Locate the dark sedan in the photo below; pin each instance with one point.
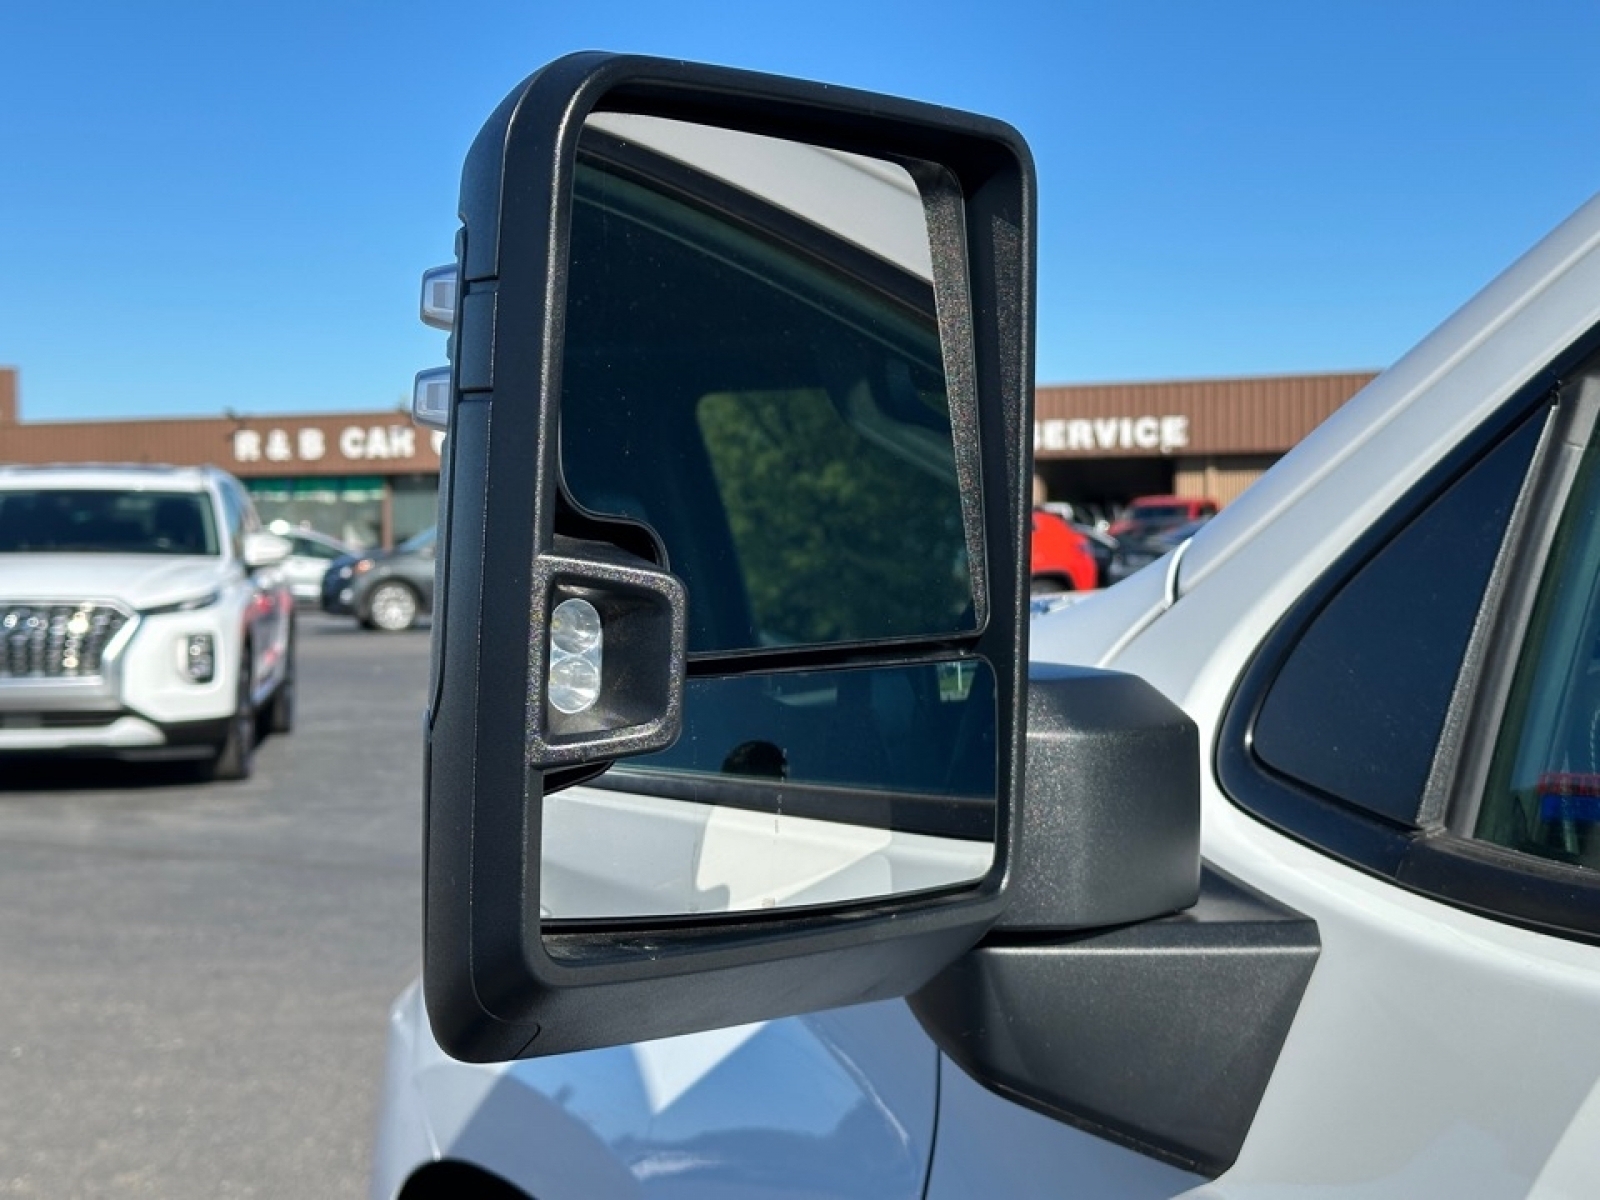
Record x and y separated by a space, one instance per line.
385 589
1135 551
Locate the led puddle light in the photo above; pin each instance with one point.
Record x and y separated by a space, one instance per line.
576 648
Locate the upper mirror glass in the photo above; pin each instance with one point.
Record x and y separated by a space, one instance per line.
753 389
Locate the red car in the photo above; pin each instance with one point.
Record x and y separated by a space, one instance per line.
1061 558
1147 514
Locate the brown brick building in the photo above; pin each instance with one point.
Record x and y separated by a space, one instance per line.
1099 444
368 477
373 476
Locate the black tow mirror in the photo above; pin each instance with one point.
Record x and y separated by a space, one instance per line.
727 705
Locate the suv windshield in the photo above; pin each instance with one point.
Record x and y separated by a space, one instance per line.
105 521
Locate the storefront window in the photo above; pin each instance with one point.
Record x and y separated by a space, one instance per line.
349 508
415 504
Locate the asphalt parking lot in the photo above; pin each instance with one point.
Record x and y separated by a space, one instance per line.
196 976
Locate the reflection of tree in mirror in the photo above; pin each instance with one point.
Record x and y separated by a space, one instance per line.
844 532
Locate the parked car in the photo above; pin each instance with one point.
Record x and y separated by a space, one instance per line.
1061 558
1380 667
310 555
1151 514
143 615
1100 544
384 589
1136 551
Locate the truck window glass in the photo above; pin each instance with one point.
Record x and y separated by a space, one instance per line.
1543 795
1357 708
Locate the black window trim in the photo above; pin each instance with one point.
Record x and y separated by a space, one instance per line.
1438 857
1460 774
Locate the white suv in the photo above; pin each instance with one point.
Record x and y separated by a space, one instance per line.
142 615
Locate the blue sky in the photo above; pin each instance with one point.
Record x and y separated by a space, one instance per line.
227 206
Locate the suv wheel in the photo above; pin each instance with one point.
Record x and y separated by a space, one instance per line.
235 757
392 606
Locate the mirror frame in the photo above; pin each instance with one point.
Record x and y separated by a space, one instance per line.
498 984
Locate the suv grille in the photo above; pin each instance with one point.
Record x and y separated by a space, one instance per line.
56 641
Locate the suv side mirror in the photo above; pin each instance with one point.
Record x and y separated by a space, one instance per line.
265 550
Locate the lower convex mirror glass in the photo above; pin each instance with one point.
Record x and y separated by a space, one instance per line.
787 789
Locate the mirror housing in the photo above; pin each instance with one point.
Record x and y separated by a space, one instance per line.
500 981
1053 977
1110 816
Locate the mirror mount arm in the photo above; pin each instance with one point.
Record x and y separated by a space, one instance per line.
1128 990
1160 1036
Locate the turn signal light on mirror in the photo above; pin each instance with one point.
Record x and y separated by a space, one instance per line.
430 395
430 398
439 289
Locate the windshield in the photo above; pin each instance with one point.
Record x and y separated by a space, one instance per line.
105 521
